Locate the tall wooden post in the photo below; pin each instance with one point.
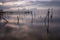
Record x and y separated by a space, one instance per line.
48 21
51 15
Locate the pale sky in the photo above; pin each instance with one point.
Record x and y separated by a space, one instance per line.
15 4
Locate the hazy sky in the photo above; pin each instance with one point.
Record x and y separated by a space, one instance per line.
15 4
28 0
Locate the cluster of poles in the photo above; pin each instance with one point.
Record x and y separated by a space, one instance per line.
47 20
48 16
26 12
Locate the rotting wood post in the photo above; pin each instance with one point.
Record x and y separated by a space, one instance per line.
48 21
17 20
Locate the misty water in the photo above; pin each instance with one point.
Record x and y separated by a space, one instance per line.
28 30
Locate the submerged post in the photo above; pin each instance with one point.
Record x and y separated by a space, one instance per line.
17 20
32 17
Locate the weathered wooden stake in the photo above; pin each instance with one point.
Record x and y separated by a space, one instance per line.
17 20
48 21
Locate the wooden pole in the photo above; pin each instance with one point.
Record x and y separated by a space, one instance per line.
48 21
17 20
32 17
